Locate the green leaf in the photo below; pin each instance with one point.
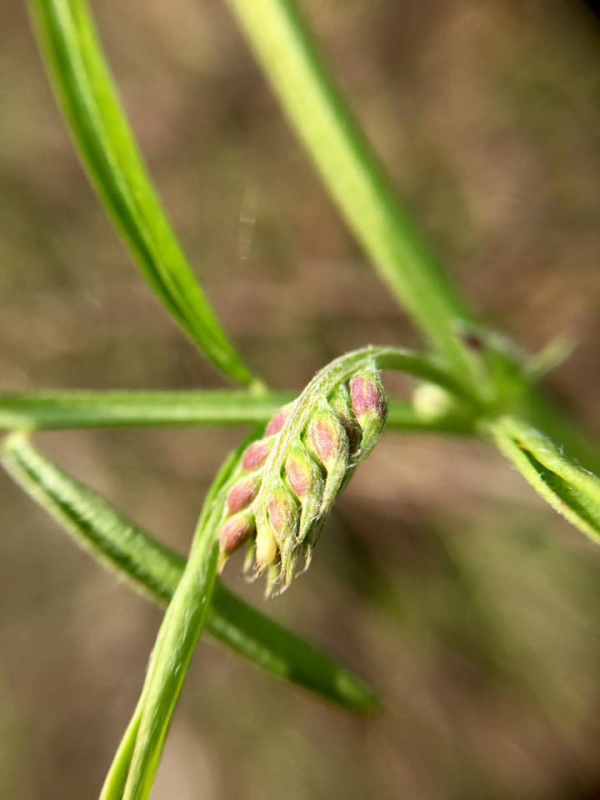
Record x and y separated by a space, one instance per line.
65 410
544 411
155 570
351 171
98 124
569 488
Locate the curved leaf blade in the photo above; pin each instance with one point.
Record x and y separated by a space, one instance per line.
98 124
569 488
170 662
154 570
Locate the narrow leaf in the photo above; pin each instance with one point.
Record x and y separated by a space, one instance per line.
155 570
569 488
289 55
546 412
67 410
98 124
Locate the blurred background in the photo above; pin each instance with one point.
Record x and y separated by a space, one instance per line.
442 579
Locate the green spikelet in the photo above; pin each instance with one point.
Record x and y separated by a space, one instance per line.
328 442
370 408
305 479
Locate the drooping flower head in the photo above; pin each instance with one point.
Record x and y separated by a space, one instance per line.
288 481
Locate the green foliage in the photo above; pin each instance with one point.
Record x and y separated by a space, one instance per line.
472 383
571 490
69 410
91 106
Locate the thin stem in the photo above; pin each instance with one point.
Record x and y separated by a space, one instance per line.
176 643
82 409
170 662
115 781
98 124
79 410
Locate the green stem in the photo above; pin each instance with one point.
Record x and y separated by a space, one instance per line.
82 409
288 53
178 637
176 643
114 783
70 410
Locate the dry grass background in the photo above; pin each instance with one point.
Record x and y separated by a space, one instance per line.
442 579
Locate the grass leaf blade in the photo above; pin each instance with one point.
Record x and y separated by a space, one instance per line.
97 121
351 171
565 485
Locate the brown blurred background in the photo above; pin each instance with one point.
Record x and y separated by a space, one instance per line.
442 579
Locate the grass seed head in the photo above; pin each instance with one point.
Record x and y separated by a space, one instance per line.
288 481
